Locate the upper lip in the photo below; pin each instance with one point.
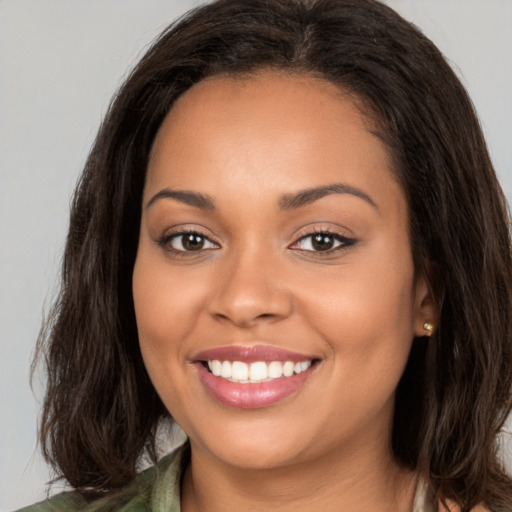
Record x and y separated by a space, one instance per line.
251 354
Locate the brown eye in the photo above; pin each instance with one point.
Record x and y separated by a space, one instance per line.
187 242
322 242
192 242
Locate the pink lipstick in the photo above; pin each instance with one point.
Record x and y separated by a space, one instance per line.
252 377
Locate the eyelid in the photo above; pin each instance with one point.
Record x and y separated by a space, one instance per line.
345 241
342 240
178 231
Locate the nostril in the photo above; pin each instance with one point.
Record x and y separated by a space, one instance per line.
222 316
244 305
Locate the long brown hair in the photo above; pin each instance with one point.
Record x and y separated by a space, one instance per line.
101 412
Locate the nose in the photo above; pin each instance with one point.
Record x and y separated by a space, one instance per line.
250 291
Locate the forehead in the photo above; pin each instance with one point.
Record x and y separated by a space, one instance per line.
262 98
271 130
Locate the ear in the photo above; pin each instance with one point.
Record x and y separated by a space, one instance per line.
426 315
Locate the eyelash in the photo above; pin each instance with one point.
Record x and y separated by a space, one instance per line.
166 240
343 241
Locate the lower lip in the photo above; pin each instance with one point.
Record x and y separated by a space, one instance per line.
251 396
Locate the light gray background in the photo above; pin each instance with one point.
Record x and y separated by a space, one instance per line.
60 62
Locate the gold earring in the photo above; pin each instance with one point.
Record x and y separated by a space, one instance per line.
429 328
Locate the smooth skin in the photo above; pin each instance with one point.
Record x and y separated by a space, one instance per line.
247 271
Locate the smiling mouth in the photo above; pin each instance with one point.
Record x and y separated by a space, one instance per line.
257 371
255 376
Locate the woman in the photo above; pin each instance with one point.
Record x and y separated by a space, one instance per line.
289 239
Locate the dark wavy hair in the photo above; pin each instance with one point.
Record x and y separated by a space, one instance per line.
101 411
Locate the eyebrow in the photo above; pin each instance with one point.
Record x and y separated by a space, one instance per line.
310 195
195 199
287 202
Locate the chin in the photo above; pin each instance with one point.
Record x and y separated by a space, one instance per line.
254 444
265 455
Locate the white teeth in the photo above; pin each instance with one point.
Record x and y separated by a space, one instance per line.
215 367
238 371
302 366
288 369
225 370
275 370
305 365
258 371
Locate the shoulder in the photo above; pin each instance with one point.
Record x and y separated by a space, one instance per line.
69 501
155 485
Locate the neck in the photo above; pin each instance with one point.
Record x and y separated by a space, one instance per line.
354 480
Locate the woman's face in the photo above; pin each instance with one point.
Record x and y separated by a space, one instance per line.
274 287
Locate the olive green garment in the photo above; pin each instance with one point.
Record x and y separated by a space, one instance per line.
156 489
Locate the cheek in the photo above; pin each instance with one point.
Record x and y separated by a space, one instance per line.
365 312
165 311
165 302
372 299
